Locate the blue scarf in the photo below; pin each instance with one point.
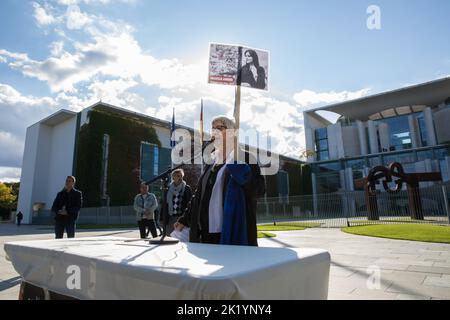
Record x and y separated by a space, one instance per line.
234 227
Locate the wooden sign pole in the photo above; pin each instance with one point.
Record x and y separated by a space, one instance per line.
237 114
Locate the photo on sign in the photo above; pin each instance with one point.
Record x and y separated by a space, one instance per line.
235 65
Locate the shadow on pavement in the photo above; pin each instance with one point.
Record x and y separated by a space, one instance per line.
9 283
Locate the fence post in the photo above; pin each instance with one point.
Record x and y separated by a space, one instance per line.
349 206
447 209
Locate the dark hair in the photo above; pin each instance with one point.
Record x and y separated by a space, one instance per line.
254 55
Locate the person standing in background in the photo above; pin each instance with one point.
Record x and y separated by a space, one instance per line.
145 204
66 207
19 218
178 196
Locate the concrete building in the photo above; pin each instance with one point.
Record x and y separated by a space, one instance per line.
410 125
109 156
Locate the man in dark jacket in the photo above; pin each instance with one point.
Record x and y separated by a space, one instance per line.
201 217
66 207
19 218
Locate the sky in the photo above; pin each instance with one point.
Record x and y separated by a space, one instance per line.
152 56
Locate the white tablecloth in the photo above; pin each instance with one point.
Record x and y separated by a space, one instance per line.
111 268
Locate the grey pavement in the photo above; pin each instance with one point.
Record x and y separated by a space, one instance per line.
406 269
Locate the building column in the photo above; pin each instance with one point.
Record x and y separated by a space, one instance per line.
351 194
428 168
413 132
310 144
385 143
446 177
335 141
431 135
314 195
362 138
373 140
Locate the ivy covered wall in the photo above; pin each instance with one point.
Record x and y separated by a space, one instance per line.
125 135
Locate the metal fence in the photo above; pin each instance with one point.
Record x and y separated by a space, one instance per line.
342 209
124 215
331 210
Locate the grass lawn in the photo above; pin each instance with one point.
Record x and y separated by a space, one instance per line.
286 226
414 232
365 221
266 235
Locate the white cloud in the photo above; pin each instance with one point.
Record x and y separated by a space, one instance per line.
110 62
102 2
17 112
10 174
42 15
12 149
75 18
308 98
108 54
57 48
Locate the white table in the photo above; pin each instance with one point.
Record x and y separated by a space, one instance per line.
112 268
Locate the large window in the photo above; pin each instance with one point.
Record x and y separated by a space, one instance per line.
149 161
399 135
321 140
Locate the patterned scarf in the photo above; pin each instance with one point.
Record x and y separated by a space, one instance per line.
174 197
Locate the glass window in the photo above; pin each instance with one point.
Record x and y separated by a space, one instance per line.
328 182
388 159
322 144
441 153
374 161
404 158
155 160
321 137
423 155
399 135
321 133
355 164
330 166
323 155
149 161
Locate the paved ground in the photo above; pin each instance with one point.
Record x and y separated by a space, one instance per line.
408 269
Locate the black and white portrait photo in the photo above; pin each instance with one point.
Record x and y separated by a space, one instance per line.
236 65
253 71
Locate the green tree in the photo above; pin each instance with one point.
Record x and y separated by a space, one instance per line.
7 200
7 197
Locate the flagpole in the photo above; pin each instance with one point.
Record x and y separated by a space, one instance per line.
201 134
172 142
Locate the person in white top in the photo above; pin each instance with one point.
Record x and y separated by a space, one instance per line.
204 215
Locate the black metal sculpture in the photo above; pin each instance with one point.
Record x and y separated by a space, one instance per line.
386 175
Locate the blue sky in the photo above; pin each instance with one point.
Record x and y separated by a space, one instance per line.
150 56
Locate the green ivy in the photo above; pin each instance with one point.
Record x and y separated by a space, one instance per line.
125 135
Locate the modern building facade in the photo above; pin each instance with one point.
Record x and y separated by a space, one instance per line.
410 125
110 150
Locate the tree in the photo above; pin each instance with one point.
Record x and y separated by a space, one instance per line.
7 200
15 186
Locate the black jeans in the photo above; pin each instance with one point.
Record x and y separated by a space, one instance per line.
144 224
64 224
